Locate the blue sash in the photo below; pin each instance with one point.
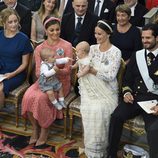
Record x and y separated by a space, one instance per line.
143 69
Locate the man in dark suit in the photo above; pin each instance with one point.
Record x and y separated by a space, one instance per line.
69 25
1 2
106 9
33 5
139 85
138 11
24 13
67 6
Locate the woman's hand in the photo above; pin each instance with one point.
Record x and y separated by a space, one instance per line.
93 71
22 67
9 75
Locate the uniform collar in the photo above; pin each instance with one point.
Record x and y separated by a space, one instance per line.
155 52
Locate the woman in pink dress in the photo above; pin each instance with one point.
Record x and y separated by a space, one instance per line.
35 104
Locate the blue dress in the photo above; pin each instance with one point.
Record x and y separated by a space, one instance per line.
11 52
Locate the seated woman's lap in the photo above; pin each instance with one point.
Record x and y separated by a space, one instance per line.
11 84
37 102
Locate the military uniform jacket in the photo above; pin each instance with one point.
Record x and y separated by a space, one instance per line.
134 83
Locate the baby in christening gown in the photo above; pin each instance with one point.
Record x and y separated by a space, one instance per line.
83 60
87 82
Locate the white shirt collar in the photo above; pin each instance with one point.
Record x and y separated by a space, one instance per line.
132 9
100 6
155 52
14 6
65 3
76 20
76 16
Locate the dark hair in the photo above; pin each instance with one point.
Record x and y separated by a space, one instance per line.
152 27
50 20
105 25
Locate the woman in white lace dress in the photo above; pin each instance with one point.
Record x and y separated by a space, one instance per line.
100 96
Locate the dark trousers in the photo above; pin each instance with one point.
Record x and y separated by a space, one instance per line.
124 112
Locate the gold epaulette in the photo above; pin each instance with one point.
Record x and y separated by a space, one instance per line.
156 73
126 89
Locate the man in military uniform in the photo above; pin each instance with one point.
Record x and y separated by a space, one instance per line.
140 84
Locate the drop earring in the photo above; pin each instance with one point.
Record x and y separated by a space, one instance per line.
19 27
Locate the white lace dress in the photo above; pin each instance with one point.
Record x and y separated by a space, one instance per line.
99 97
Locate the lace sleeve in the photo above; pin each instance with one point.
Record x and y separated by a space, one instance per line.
109 66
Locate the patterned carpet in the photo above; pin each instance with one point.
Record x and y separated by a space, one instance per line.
16 146
14 142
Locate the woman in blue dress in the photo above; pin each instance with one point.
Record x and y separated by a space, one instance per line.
14 53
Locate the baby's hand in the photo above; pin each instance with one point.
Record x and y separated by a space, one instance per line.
70 59
78 75
53 60
72 67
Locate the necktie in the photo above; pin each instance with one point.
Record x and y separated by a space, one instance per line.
77 31
78 26
96 10
61 8
150 58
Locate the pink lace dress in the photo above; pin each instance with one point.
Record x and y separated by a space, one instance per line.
34 99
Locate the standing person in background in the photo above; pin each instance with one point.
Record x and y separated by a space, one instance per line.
33 5
99 97
15 47
142 2
137 12
24 13
48 7
1 2
65 6
104 9
36 104
125 36
79 25
139 84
